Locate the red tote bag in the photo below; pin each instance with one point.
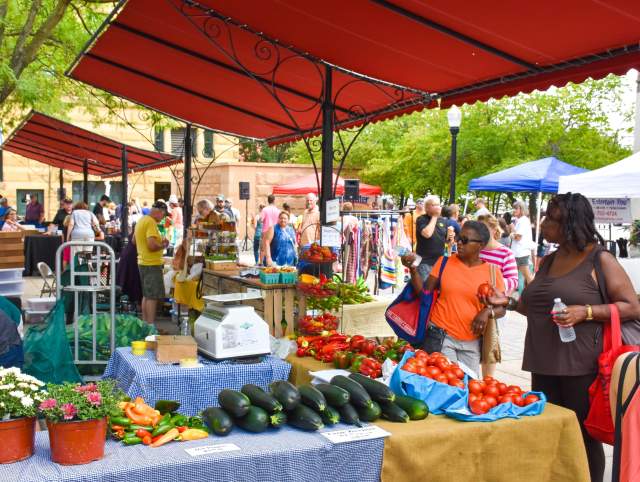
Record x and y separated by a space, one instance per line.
599 422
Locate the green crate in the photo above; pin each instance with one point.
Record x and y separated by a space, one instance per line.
289 278
269 278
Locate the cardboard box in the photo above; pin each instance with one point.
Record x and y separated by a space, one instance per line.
173 348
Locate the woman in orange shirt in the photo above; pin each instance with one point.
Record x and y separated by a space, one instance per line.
458 318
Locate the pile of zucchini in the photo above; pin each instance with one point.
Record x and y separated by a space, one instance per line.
349 399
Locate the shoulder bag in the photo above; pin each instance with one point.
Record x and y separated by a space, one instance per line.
491 337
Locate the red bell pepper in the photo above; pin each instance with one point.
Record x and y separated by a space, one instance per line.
356 362
380 353
356 342
368 347
342 359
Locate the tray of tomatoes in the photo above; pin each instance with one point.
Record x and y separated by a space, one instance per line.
436 367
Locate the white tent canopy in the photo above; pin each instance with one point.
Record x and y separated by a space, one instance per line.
618 180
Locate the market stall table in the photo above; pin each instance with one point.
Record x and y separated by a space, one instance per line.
278 302
284 455
195 388
40 247
546 447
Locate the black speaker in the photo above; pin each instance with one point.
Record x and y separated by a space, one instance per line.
351 189
245 190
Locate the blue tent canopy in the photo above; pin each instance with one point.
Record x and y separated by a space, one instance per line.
535 176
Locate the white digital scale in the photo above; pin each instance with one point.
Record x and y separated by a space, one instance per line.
229 329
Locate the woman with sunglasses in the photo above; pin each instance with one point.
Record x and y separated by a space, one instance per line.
458 318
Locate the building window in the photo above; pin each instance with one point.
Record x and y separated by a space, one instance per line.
177 142
208 143
158 139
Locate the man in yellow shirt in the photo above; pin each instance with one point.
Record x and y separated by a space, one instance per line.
151 245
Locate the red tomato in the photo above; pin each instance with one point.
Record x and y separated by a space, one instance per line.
507 398
479 407
473 397
433 372
422 371
492 391
421 355
518 400
529 399
436 354
492 401
502 388
487 379
457 383
451 375
485 290
442 363
459 373
475 387
514 389
442 378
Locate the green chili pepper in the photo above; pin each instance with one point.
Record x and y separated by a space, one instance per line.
131 440
162 428
122 421
135 427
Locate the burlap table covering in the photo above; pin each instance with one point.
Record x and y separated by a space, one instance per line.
547 447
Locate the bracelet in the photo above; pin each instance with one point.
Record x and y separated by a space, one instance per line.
512 304
589 313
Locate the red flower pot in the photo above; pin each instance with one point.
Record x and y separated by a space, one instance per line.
77 442
18 436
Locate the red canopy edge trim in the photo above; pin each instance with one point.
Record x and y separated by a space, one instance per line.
143 168
33 151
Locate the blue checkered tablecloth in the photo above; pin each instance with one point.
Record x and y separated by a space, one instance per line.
195 388
284 455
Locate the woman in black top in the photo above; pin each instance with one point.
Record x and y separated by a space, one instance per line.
564 371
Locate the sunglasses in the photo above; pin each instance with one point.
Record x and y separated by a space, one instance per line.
465 240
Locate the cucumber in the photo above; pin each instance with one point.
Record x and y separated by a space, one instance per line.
261 399
217 420
349 415
304 418
335 396
379 391
312 398
393 412
256 420
416 409
235 403
278 419
370 414
286 393
166 406
330 416
358 395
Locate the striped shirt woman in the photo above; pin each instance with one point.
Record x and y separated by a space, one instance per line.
498 254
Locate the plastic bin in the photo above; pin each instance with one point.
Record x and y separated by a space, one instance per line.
11 287
288 278
41 304
11 274
269 278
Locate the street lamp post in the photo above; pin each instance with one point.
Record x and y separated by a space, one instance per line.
454 116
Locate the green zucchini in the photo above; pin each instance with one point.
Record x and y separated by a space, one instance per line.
256 420
379 391
330 416
349 415
217 420
334 395
312 398
304 418
235 403
261 399
286 393
370 414
393 412
358 395
167 406
278 419
416 409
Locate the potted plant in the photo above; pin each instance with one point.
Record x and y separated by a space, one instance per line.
20 395
76 419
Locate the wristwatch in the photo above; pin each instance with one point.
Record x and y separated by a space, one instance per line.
589 313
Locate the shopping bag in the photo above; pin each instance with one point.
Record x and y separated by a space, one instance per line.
491 337
599 421
408 314
436 395
460 410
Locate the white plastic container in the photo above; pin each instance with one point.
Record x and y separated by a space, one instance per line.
41 304
11 274
11 287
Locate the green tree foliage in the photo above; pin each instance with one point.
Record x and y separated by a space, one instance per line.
411 154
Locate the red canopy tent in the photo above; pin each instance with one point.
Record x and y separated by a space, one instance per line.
307 184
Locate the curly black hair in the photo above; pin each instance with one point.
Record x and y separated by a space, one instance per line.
481 230
577 219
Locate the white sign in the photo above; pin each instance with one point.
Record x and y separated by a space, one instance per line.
614 211
211 449
332 210
330 237
354 434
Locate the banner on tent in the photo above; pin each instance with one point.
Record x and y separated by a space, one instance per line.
613 211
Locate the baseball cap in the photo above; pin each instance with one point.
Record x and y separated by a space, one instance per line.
220 197
160 205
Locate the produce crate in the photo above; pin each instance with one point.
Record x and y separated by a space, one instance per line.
288 278
269 278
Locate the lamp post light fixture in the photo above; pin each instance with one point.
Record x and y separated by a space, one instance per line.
454 117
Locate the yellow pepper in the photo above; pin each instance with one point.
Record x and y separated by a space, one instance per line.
193 434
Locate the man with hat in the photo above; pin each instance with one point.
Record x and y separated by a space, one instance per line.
4 207
220 207
151 246
66 207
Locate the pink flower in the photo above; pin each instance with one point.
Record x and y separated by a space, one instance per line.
91 387
69 411
94 398
48 403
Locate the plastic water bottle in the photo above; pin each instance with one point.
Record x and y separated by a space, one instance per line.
184 326
567 333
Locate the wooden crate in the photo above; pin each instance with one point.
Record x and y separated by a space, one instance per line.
12 250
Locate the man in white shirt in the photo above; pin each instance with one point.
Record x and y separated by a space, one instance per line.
481 208
522 240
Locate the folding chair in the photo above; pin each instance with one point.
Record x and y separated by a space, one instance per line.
49 285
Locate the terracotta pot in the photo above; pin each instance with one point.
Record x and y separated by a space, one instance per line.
18 436
77 442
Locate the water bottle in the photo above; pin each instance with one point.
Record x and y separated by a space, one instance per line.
567 333
184 326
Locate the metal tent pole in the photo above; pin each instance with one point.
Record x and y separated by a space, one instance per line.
538 220
326 187
85 181
124 211
188 208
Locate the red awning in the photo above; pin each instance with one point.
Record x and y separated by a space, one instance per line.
308 184
59 144
177 56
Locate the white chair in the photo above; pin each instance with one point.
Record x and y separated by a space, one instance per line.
48 278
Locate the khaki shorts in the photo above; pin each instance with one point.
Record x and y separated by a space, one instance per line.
152 282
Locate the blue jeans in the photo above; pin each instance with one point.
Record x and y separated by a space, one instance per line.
256 249
13 358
